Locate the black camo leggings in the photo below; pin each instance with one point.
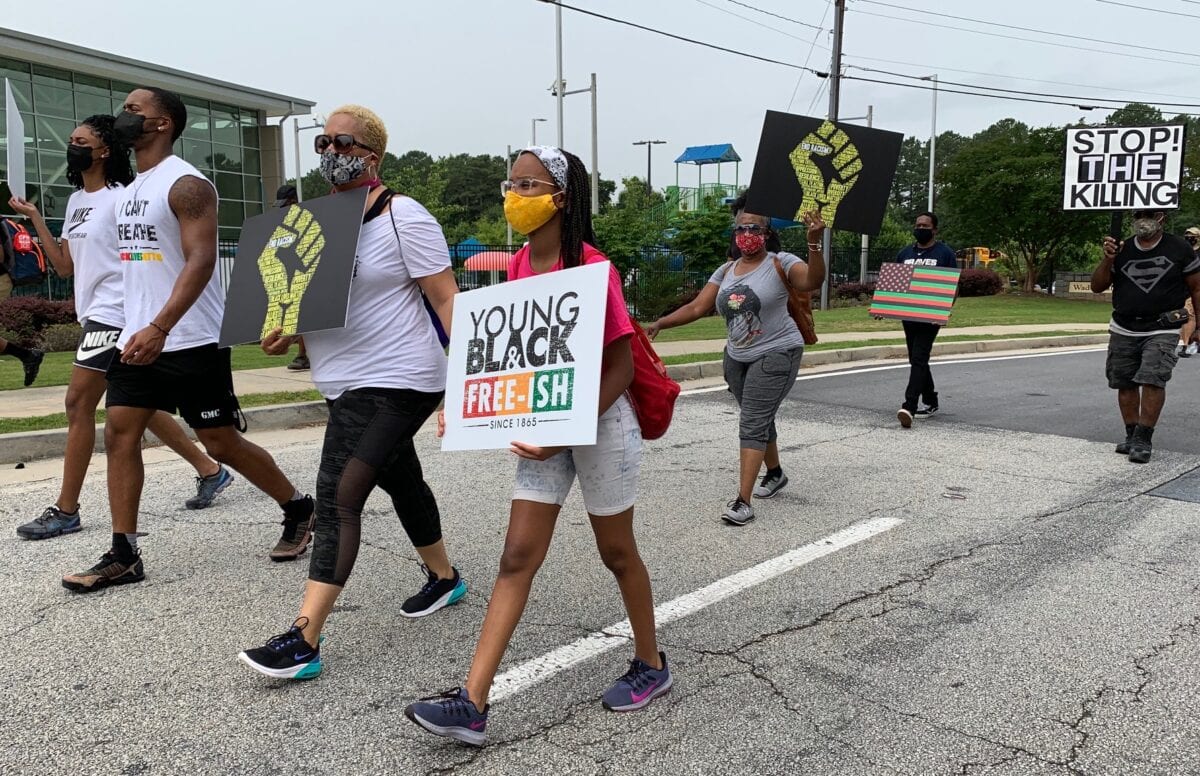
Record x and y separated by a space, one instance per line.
369 442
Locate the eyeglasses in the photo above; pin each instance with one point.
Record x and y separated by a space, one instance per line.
751 228
523 185
341 144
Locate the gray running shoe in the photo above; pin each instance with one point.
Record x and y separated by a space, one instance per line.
769 485
207 489
52 522
738 512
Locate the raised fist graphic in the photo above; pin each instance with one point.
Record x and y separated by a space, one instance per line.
287 278
827 165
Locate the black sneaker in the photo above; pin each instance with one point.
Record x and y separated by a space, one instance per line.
286 656
1140 447
299 363
298 519
110 571
925 412
32 365
52 522
434 594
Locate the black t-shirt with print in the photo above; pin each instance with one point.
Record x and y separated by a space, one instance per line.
1147 284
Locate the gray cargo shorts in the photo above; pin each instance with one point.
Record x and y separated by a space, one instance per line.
1134 361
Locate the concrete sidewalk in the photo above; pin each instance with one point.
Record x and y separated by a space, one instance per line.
33 402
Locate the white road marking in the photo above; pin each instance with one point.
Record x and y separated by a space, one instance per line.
904 365
531 672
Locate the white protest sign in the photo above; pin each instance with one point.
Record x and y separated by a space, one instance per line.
525 361
1123 168
14 138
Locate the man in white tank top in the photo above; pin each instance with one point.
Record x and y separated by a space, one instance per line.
166 223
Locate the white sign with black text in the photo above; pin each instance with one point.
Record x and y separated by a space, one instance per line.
1123 168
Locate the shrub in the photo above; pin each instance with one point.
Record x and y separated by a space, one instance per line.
23 341
979 282
854 290
26 316
61 337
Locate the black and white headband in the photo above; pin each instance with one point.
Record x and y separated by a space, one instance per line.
553 160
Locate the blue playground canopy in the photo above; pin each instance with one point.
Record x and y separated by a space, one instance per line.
708 154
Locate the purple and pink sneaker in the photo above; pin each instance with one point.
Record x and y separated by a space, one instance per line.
640 685
451 714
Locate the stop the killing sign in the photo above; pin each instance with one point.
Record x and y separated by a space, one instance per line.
1123 168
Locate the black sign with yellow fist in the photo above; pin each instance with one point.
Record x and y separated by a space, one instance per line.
842 170
293 269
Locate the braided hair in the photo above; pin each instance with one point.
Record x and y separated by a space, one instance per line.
117 169
577 212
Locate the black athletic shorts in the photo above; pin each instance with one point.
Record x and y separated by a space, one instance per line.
97 346
196 382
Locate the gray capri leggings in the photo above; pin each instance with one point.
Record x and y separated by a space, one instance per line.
760 388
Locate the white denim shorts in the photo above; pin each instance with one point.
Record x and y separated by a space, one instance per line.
607 471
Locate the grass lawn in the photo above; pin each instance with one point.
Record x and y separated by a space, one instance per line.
56 369
1000 310
692 358
59 419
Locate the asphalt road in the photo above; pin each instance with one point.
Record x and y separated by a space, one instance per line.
1029 611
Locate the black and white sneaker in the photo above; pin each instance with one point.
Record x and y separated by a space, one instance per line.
286 656
434 594
770 485
905 417
925 412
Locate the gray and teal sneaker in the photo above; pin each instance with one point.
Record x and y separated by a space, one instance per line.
452 715
208 487
640 685
52 522
286 656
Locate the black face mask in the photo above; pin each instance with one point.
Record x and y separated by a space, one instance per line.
79 158
129 126
922 235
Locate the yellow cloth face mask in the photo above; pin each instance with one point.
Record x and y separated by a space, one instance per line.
528 214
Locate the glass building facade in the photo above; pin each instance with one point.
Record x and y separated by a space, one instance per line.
223 141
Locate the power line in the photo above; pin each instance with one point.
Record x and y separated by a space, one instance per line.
1037 30
1028 40
1143 8
812 47
777 16
752 21
1022 91
679 37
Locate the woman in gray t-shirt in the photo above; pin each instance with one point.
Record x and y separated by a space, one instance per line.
764 345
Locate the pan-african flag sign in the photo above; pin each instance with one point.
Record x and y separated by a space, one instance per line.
908 292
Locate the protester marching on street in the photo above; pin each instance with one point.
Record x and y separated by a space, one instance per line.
764 345
166 221
1152 275
379 390
1186 348
98 166
548 198
920 395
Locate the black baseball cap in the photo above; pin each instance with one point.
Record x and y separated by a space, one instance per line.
284 193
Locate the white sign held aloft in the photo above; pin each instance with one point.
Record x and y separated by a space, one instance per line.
1123 168
525 361
14 138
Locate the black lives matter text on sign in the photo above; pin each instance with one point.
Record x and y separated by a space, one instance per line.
1123 168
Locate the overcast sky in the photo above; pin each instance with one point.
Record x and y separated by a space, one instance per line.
454 76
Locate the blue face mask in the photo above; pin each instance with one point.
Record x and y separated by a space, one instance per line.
340 169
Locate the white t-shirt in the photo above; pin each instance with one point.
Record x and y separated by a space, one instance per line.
152 255
90 232
389 340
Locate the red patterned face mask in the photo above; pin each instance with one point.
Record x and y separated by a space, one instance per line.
748 243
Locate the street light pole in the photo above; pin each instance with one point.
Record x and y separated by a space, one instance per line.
649 146
508 174
559 86
932 138
595 146
297 129
533 131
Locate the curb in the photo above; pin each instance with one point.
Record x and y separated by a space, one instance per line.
708 369
33 445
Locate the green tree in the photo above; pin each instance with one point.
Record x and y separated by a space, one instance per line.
630 225
703 237
1004 189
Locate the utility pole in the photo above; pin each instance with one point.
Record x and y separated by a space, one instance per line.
559 86
508 176
649 146
932 139
835 93
866 239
